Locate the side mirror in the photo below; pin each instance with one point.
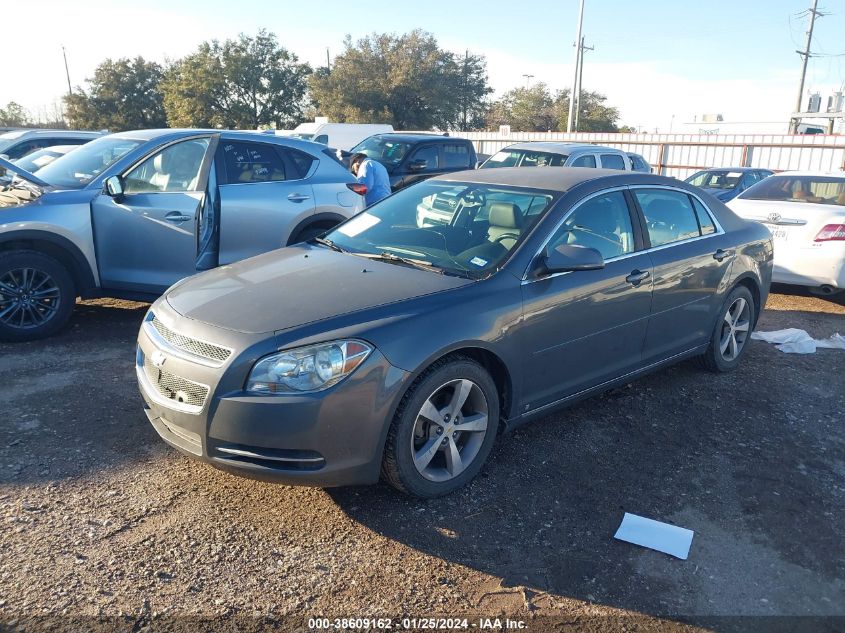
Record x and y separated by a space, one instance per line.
113 187
567 258
417 165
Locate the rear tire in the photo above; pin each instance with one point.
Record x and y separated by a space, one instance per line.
443 430
310 232
731 333
37 296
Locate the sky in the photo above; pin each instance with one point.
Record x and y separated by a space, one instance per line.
661 62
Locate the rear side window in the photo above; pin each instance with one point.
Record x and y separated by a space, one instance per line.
300 162
704 219
252 162
669 215
587 160
612 161
455 155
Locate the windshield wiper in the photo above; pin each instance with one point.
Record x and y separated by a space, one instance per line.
329 243
409 261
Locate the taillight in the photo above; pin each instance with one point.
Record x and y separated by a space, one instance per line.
831 233
357 187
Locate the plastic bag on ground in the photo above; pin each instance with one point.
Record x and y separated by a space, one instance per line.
795 341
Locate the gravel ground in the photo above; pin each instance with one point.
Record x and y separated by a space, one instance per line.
105 527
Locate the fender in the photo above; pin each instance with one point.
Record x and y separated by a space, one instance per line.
315 219
69 253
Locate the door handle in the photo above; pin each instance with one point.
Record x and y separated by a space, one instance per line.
176 217
721 254
637 277
298 197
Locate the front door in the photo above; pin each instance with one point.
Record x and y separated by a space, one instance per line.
146 239
584 328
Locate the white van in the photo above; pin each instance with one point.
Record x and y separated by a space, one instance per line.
342 136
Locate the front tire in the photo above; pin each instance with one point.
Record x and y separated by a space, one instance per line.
732 332
443 430
37 296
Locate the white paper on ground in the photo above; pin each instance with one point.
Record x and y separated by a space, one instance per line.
663 537
795 341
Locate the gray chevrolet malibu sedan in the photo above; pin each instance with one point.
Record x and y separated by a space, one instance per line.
400 343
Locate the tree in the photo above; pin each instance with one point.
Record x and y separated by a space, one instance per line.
407 80
242 83
13 115
594 115
122 95
525 110
535 110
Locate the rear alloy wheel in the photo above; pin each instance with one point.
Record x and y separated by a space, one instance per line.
444 429
732 331
36 296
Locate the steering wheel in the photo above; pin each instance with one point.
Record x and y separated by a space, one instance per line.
506 236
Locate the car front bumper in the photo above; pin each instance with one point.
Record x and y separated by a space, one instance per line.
329 438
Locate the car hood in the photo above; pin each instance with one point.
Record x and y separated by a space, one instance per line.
298 285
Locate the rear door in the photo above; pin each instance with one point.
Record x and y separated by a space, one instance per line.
265 192
691 256
146 240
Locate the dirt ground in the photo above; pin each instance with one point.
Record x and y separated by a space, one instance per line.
106 528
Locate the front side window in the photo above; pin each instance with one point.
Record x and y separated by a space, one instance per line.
789 188
465 229
602 222
612 161
587 160
252 162
426 157
175 168
669 215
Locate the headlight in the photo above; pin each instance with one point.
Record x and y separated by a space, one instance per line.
305 369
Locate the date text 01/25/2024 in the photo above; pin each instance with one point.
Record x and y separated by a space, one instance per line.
414 624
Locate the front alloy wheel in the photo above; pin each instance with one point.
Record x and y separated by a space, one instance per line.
36 295
443 430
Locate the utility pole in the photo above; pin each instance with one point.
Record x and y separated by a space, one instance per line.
528 79
805 56
67 73
464 96
580 79
328 63
569 120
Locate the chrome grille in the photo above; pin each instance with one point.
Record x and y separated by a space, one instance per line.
172 387
191 345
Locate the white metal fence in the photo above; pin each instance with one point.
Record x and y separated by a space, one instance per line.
680 155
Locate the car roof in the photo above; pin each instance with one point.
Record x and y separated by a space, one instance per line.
743 169
554 178
239 135
416 136
554 146
28 133
825 174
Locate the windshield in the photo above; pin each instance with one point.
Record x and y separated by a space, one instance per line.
464 229
386 151
524 158
817 189
81 166
40 158
303 136
715 179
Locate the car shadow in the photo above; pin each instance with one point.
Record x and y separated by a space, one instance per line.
71 403
680 446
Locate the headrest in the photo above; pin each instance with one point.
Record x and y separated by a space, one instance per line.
160 162
840 199
504 214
